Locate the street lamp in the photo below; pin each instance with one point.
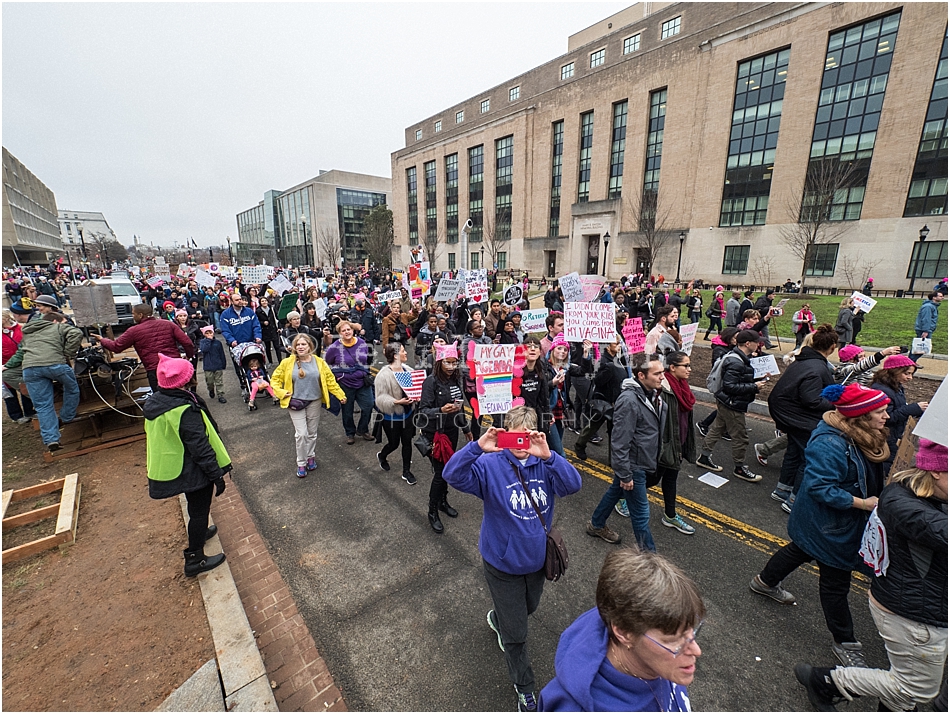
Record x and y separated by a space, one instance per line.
230 254
679 260
481 263
82 242
606 243
922 236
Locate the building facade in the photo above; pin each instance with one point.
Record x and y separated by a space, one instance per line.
742 143
316 223
82 232
30 234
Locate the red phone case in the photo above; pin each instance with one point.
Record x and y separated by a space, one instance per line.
513 440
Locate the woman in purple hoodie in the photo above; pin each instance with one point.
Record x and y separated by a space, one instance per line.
349 358
637 650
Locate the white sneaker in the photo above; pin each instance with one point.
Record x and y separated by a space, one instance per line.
764 460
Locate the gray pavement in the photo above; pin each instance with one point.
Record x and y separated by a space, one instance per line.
398 613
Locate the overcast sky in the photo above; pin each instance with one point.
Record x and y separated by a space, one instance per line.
172 118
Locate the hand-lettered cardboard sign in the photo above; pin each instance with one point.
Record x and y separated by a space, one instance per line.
448 289
634 335
592 321
476 285
688 333
533 320
571 287
493 366
764 365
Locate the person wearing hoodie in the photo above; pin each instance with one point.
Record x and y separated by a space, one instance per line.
926 322
518 488
424 338
184 454
636 651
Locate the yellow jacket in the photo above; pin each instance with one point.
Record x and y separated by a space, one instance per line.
283 381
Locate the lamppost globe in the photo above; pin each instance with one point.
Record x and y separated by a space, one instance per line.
918 255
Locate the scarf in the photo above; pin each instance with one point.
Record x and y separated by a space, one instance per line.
872 444
682 392
442 448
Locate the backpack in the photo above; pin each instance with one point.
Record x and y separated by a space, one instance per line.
714 380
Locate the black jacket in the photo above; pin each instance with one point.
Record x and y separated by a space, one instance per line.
200 463
915 585
795 403
367 320
608 382
898 412
270 330
435 395
738 383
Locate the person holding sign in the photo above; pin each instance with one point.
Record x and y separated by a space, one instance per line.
844 326
559 371
397 410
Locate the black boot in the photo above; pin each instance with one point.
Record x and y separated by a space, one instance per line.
197 562
435 521
447 509
211 533
823 693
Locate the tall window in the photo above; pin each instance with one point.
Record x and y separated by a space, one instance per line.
418 134
670 27
452 198
476 191
735 260
583 162
756 115
554 225
460 116
485 105
928 185
502 258
504 162
617 145
432 227
567 71
474 260
857 65
514 93
821 260
438 126
928 260
651 174
631 44
598 58
451 261
413 200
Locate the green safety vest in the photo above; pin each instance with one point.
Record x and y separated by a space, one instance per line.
165 453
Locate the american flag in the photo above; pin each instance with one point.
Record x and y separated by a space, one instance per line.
411 382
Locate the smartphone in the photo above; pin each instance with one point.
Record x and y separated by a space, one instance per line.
513 440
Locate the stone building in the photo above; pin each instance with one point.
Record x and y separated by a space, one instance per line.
685 132
30 233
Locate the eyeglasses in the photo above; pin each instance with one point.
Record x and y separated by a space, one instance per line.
686 642
686 366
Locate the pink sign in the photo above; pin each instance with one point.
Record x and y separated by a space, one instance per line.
634 335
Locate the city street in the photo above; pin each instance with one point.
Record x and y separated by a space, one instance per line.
398 612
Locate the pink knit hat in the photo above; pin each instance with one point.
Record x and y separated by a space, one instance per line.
849 352
896 361
931 456
559 341
172 372
180 312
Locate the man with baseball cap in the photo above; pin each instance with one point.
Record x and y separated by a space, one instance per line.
738 387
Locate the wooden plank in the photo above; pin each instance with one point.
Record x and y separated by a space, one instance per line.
7 496
21 494
33 547
61 454
33 516
68 505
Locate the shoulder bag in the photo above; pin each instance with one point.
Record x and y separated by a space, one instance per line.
555 557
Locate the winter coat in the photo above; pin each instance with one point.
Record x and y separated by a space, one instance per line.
915 584
243 327
898 412
366 318
270 330
844 326
823 521
11 341
149 338
212 352
860 371
795 403
733 317
638 431
435 395
182 437
608 382
388 390
674 447
512 538
282 381
45 344
803 320
927 317
350 364
586 681
738 383
719 348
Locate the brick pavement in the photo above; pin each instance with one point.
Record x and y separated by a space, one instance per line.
289 652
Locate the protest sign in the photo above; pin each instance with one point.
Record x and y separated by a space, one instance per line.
92 305
634 335
183 269
155 282
204 278
513 295
321 306
415 293
391 295
159 260
281 284
863 302
933 424
591 285
424 271
782 303
476 285
254 274
448 289
764 365
688 333
161 272
288 303
571 287
493 367
212 267
592 321
533 320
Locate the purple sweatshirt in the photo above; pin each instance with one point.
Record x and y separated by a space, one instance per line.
349 364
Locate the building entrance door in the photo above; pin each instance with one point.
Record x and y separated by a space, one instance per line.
643 261
593 254
550 263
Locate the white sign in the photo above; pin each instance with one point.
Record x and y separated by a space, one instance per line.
594 321
863 302
254 274
476 285
781 304
764 365
493 374
159 260
571 287
183 268
386 297
204 278
533 320
281 285
933 424
592 285
448 289
688 333
321 305
212 267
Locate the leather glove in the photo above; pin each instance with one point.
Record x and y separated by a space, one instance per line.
219 486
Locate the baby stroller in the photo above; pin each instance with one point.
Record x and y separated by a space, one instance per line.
241 354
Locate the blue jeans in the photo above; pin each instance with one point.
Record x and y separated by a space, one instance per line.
556 437
364 397
637 504
39 380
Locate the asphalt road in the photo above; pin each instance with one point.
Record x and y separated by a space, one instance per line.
398 612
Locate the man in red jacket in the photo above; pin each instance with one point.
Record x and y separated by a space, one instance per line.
150 336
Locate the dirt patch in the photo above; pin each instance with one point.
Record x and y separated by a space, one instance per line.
109 623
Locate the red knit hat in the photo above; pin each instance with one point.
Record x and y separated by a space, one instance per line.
854 400
172 372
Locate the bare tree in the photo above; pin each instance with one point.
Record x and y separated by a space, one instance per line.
856 270
763 270
328 246
494 240
378 236
431 241
815 216
107 249
653 232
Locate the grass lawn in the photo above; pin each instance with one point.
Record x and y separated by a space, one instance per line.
891 322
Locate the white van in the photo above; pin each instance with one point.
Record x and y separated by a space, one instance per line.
124 294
